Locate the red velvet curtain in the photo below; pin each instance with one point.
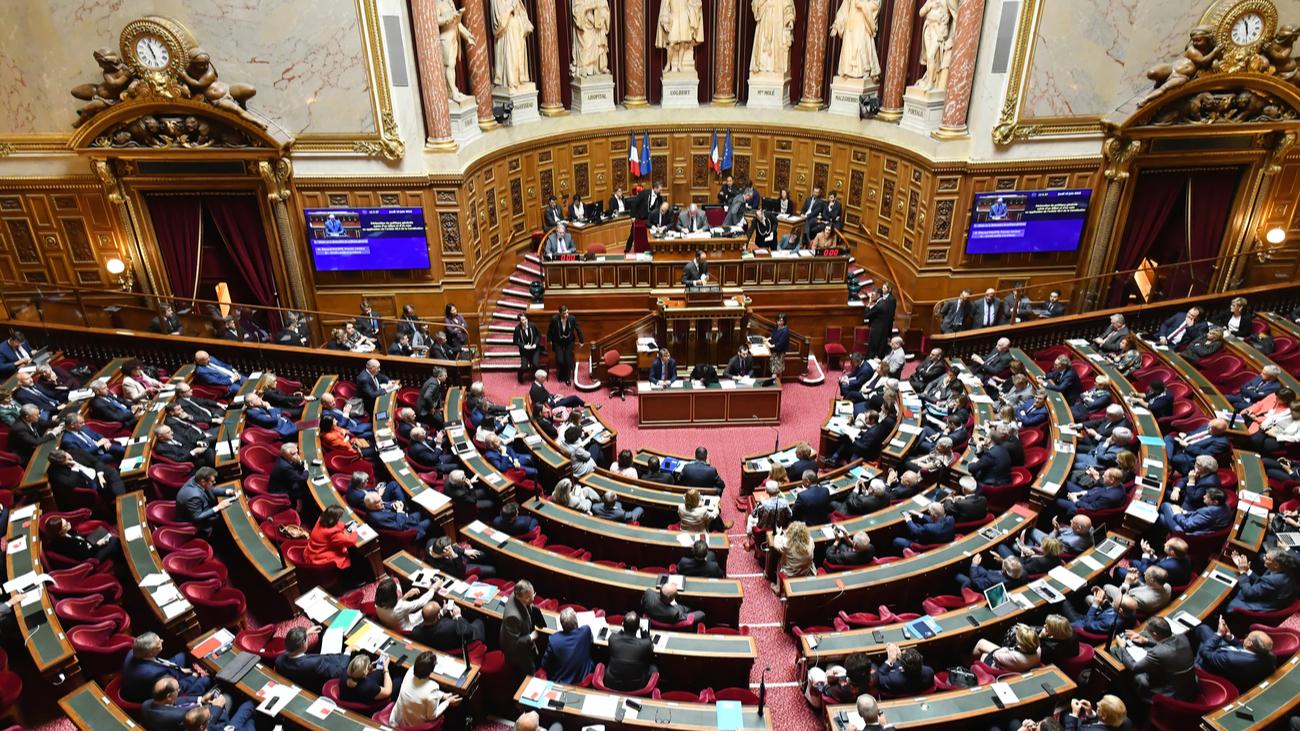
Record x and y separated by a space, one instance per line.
176 227
1155 196
239 220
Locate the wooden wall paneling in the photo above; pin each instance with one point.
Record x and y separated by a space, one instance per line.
1281 209
57 236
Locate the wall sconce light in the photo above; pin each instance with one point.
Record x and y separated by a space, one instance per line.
123 271
1273 239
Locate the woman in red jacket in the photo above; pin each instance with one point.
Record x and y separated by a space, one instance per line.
330 540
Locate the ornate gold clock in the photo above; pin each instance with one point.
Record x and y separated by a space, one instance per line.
1241 27
156 45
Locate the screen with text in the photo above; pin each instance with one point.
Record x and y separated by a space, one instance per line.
1027 222
367 239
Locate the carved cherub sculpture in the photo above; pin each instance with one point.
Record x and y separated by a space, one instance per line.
1200 55
106 93
200 77
1278 52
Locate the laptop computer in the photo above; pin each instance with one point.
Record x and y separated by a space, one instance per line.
999 601
1289 539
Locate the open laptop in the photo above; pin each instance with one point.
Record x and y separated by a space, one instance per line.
999 601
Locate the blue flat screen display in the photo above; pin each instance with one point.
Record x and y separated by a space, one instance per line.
1027 222
367 239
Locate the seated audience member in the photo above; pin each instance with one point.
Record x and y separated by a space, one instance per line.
359 487
1104 454
981 579
541 396
943 388
872 717
419 697
572 439
699 473
393 517
625 465
30 430
63 540
1189 492
1236 319
468 491
9 408
1110 713
928 370
867 496
401 345
903 672
700 562
659 603
338 340
1174 561
512 523
631 657
1182 328
1279 402
1168 667
168 710
1056 641
309 670
367 681
850 550
356 341
560 242
1106 495
210 371
289 475
425 453
1109 340
78 437
655 473
166 322
858 372
261 414
568 654
330 539
405 422
334 439
904 486
397 610
1245 662
166 445
291 404
458 561
954 313
1278 431
794 546
1205 346
197 500
1075 536
574 495
1211 517
1258 387
1019 653
144 666
1152 595
505 458
443 628
1155 399
741 364
813 503
1063 379
992 465
68 471
930 528
1128 358
201 410
610 508
663 370
186 429
1034 411
1268 590
105 406
694 514
373 383
1095 430
1103 617
953 429
968 506
996 363
873 432
805 458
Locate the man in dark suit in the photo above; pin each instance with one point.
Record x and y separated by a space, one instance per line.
76 470
970 505
727 191
309 670
954 313
741 364
696 271
519 623
510 522
654 473
1169 667
372 383
1257 388
903 672
1104 616
618 204
166 322
805 458
392 516
813 504
1184 448
659 603
1270 590
527 339
663 369
29 431
443 628
553 213
259 413
631 657
210 371
872 434
568 653
1064 379
987 311
167 709
1245 662
662 219
932 527
201 410
879 317
76 436
700 563
289 475
833 214
1109 341
427 454
186 430
1212 517
996 363
610 508
105 406
197 503
928 370
692 220
1181 328
1053 307
648 201
168 446
993 466
699 473
812 210
144 665
540 396
563 333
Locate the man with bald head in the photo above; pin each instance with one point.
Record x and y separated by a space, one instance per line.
997 363
1246 661
1184 447
659 603
372 383
210 371
530 721
342 413
168 446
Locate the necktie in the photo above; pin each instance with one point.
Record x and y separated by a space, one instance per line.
988 313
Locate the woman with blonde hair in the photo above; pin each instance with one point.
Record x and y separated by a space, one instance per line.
1056 642
573 495
796 548
778 473
1109 713
1127 461
1018 653
366 682
693 515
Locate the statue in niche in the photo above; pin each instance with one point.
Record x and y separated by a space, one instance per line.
1202 51
590 38
511 25
450 32
108 92
679 31
936 43
856 25
773 34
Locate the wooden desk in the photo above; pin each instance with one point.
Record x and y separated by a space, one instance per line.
683 249
611 233
569 579
611 274
957 633
642 461
143 560
41 630
1211 401
613 541
1266 704
968 708
907 429
653 713
814 598
755 468
453 408
1248 529
258 551
730 657
400 470
233 425
660 505
711 406
89 708
1054 473
140 449
296 711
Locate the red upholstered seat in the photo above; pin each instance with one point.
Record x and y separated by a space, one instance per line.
1075 665
1171 714
1271 618
384 717
833 347
83 580
617 372
216 604
186 568
679 696
948 602
261 642
258 458
163 513
114 692
99 647
598 680
331 691
746 696
1285 641
310 574
179 540
91 609
11 689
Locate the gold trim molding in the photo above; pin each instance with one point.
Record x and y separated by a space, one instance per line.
1012 127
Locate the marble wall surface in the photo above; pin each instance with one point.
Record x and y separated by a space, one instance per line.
1090 57
305 57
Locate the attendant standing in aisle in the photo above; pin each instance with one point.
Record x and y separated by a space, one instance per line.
563 333
879 316
527 339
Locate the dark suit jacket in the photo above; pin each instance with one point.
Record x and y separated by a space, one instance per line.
1243 329
529 335
631 662
1169 668
643 206
665 219
881 314
833 215
993 466
739 366
370 387
654 606
552 215
1264 592
564 340
197 505
967 508
663 370
25 438
1171 325
693 270
764 233
312 671
445 634
516 626
812 208
110 408
287 477
568 656
930 531
953 315
979 310
1227 659
707 569
813 505
1065 381
700 474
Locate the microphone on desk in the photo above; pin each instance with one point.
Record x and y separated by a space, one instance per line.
762 690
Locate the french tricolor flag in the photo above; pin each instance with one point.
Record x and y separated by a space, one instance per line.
634 158
715 155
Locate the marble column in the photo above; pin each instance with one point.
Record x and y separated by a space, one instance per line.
635 55
724 55
814 57
961 69
900 50
480 73
433 81
548 45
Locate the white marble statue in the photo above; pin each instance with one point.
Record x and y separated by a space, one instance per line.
590 38
856 23
936 42
679 31
450 31
511 25
773 34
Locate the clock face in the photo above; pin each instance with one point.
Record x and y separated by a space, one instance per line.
1248 29
152 52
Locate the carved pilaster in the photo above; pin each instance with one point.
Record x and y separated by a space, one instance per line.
1119 154
276 175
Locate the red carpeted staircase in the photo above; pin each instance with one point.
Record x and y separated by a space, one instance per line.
499 354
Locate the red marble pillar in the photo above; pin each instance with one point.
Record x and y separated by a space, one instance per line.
724 55
635 55
433 81
900 50
548 45
961 69
480 74
814 57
